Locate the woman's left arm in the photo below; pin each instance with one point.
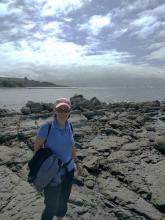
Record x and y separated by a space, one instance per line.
74 156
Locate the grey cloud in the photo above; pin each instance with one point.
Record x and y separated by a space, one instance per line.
27 22
161 34
147 31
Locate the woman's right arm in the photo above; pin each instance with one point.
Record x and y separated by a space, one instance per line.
40 137
38 144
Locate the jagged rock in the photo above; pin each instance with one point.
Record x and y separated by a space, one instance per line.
123 173
107 143
160 141
119 156
114 191
48 107
92 164
94 101
89 114
116 124
14 155
109 131
135 146
35 107
26 110
162 118
18 199
7 135
155 176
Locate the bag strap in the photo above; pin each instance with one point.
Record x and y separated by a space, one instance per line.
49 127
65 164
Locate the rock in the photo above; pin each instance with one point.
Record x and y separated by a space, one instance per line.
123 173
114 191
76 112
109 131
26 110
151 113
89 114
131 147
92 164
6 154
78 120
86 216
18 199
14 155
100 112
149 117
151 129
78 136
160 141
48 107
107 143
8 113
162 118
89 183
76 201
155 176
81 210
7 135
84 104
119 156
104 119
35 107
116 124
77 97
94 101
123 214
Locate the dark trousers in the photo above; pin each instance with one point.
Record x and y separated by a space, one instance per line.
56 198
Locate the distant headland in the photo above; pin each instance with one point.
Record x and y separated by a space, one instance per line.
7 82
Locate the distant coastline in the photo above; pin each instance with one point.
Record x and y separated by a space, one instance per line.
7 82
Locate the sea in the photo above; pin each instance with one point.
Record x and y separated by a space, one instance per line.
16 98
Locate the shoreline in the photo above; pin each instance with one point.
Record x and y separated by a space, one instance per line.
58 87
17 108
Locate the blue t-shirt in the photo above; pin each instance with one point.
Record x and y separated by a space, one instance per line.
60 141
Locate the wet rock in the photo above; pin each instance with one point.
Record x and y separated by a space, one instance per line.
18 199
94 101
119 156
7 135
135 146
109 131
114 191
160 141
89 114
35 107
123 173
116 124
26 110
93 164
107 143
151 129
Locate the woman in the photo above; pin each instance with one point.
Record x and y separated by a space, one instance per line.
60 141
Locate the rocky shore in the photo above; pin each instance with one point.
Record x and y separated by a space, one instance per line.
121 149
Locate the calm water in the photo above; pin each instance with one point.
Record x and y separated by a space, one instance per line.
16 98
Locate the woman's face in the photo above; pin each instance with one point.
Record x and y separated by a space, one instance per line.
62 113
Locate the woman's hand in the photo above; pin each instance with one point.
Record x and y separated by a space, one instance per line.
78 170
38 144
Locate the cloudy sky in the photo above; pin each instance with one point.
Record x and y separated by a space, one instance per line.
67 40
